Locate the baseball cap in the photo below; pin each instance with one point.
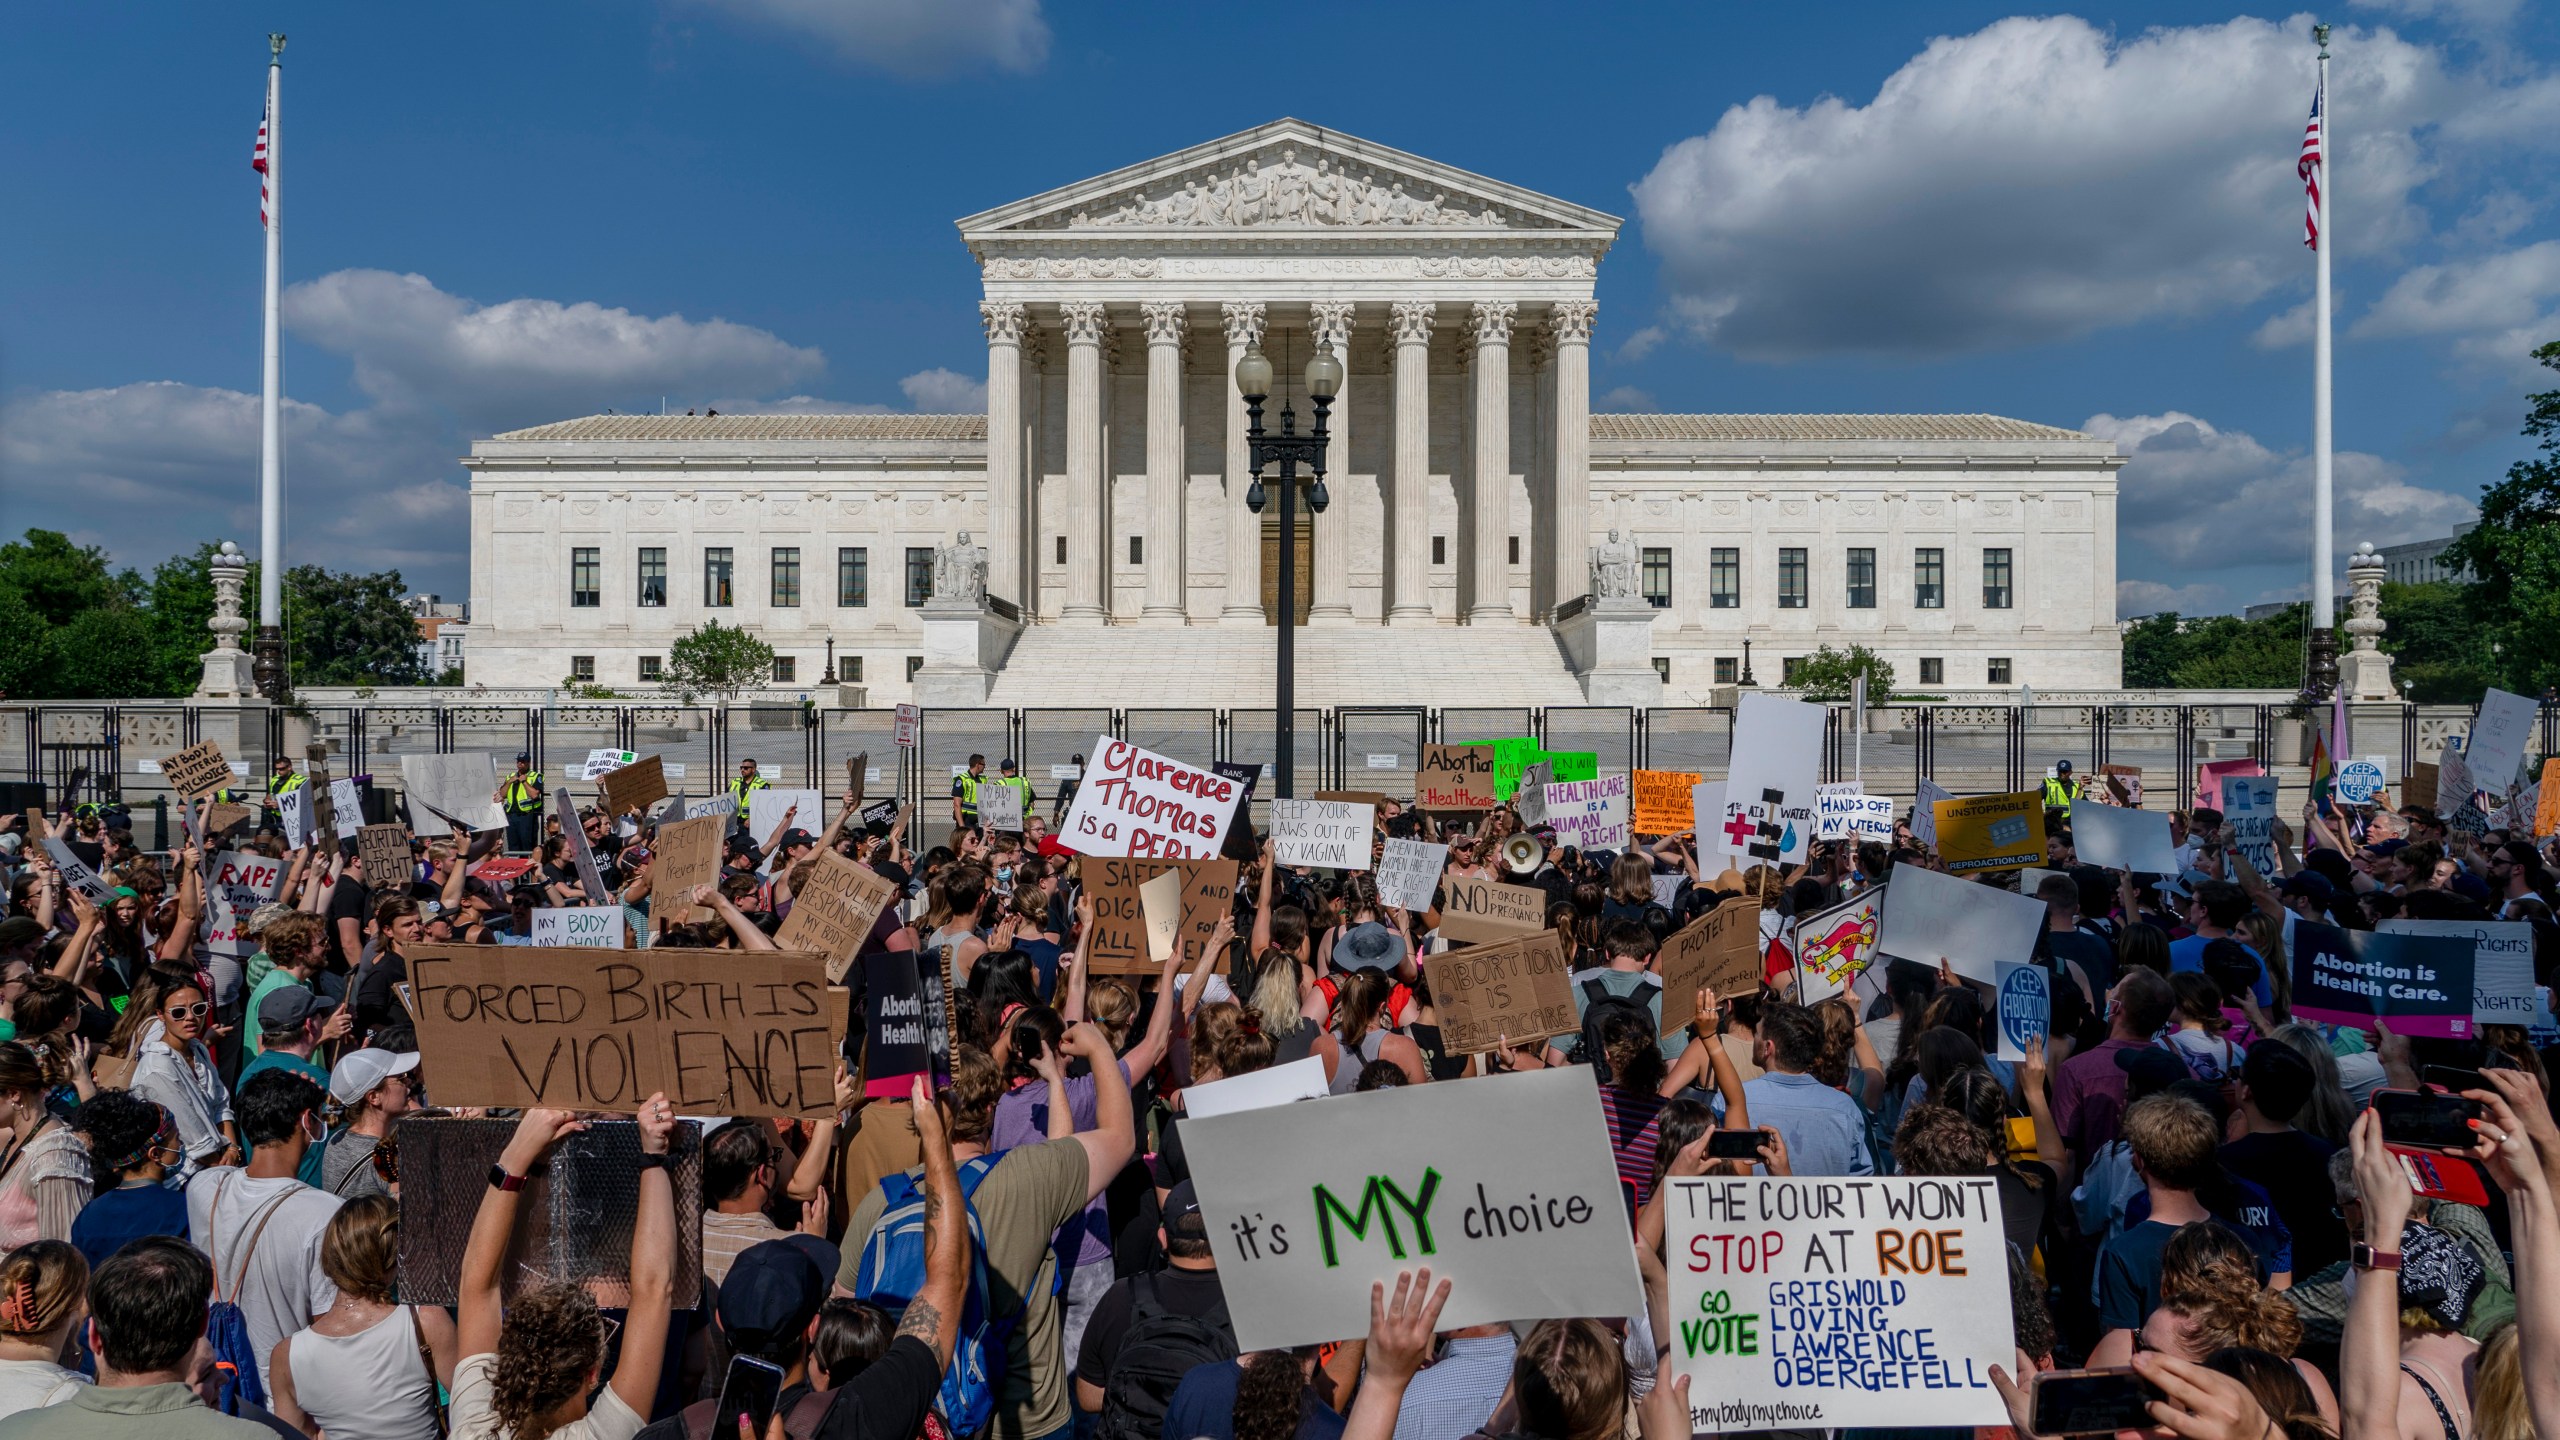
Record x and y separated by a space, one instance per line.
264 916
1007 764
795 836
287 1006
356 1075
772 1290
1182 1213
2149 1070
2062 767
524 757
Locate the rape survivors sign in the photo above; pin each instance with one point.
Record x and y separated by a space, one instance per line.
1309 1203
1834 1303
721 1032
1133 802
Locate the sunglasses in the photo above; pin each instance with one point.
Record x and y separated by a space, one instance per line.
187 1012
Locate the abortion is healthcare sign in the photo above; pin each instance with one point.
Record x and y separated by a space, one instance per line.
1806 1304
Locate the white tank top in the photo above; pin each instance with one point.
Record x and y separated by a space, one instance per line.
371 1385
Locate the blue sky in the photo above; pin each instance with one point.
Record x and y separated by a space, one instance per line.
520 213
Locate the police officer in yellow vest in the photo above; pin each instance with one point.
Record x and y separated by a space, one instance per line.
285 780
964 791
520 796
2059 787
743 790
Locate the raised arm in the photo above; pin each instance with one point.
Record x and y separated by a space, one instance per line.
742 929
1262 904
2369 1357
653 1266
933 1316
1071 1009
484 1256
1400 1334
1114 1136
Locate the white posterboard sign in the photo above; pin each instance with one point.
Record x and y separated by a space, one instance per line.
1000 807
1769 786
1835 949
593 927
1929 916
2025 1000
293 812
1408 873
1330 834
1278 1085
242 881
2121 839
348 806
1134 802
724 806
2498 740
2249 807
1309 1204
75 872
601 763
2501 964
1845 811
1160 906
766 807
1591 814
2359 781
1836 1303
1924 812
458 785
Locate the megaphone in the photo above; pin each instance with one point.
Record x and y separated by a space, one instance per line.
1522 854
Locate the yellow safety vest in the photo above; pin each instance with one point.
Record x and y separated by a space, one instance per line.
519 793
288 785
2057 793
969 793
743 791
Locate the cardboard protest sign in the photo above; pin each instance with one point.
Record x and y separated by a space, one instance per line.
2496 749
2209 775
1720 949
1408 873
1517 989
583 927
221 820
2122 839
1822 1303
198 770
635 786
601 763
1847 812
2546 811
388 866
1331 834
1455 777
241 882
573 829
1000 807
2123 785
2501 964
720 1032
905 1026
1662 801
688 855
1119 944
1769 784
2025 1006
1374 799
2421 983
1309 1204
1136 803
1980 833
834 912
1478 909
1590 814
1924 811
1930 917
2419 788
1835 947
459 786
1259 1090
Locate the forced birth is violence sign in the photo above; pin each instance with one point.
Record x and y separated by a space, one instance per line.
1831 1303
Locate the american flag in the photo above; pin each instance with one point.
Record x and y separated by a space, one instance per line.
258 162
2309 168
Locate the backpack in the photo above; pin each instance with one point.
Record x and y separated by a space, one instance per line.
226 1330
891 1273
1158 1349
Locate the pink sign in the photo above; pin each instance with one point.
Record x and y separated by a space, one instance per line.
2209 775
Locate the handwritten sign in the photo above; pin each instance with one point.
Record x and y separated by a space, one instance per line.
2496 747
2249 807
1409 872
198 770
1330 834
1160 909
1308 1204
2421 983
345 809
1590 814
1136 803
720 1032
1476 909
1119 944
293 812
2502 991
241 883
1836 948
1662 801
1820 1303
1000 807
635 786
584 927
601 763
1979 833
688 855
1847 812
1520 989
1770 782
2123 785
835 912
384 852
1455 777
1720 949
2546 812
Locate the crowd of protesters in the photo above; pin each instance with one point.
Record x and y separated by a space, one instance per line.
200 1180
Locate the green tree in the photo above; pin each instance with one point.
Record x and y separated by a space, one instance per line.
2215 652
345 629
717 660
60 581
1827 674
2514 555
180 594
2153 646
106 654
2435 642
26 650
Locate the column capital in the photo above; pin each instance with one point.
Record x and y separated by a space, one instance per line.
1490 321
1329 322
1537 347
1410 321
1085 321
1166 321
1570 321
1005 321
1243 320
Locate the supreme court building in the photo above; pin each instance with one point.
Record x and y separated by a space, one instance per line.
1465 556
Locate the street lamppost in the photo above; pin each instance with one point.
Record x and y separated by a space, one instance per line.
1289 448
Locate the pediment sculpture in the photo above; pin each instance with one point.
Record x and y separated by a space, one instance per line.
1289 193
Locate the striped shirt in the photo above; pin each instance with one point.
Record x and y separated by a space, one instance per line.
726 1237
1454 1396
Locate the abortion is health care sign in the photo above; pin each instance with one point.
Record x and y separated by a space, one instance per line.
2420 983
1804 1304
1135 803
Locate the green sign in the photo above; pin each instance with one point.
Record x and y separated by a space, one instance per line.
1514 755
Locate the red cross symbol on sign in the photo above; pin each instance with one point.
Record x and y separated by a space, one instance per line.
1739 830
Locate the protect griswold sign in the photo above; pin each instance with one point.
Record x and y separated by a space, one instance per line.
2359 781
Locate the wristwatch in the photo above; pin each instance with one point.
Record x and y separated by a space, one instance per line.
499 1179
2365 1257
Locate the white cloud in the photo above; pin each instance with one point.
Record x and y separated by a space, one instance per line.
1626 399
2135 598
945 392
2293 327
2038 180
914 38
1642 343
2466 296
797 405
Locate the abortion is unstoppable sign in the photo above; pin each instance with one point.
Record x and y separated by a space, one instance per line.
1136 803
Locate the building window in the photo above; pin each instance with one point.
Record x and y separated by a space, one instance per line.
1062 549
1791 670
719 564
914 664
919 575
582 668
786 577
1794 579
1724 579
1862 578
1933 671
1728 670
1439 549
1662 667
786 669
1515 549
1999 670
653 577
1657 576
1137 549
586 578
849 668
652 669
1995 579
1929 579
853 577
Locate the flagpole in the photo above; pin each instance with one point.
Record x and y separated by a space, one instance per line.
2323 679
269 666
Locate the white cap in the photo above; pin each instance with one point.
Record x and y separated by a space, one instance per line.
361 1070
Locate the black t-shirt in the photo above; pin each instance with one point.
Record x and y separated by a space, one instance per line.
2095 957
348 900
1192 1293
888 1400
377 1004
2293 1168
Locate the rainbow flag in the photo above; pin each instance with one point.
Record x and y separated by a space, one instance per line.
2324 774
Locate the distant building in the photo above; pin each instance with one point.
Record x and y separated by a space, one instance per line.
443 630
2420 561
2269 610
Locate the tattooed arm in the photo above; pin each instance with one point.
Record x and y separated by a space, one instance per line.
934 1314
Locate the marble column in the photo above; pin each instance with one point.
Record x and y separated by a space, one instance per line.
1569 540
1009 537
1244 322
1329 325
1088 510
1409 505
1491 325
1167 566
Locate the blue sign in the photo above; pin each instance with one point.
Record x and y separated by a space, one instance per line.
2359 781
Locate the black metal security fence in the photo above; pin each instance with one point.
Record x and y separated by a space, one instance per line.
114 751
